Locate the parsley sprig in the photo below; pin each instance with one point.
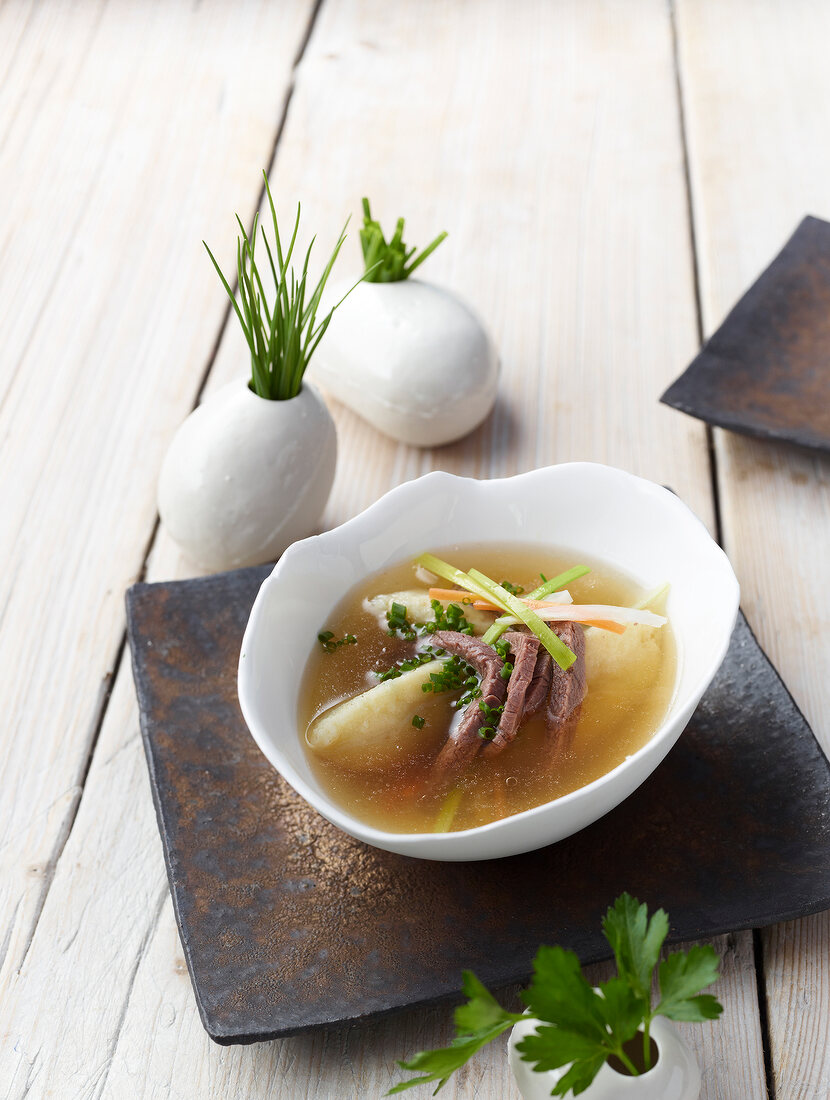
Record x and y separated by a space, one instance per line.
580 1027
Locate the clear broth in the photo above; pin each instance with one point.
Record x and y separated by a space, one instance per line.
631 680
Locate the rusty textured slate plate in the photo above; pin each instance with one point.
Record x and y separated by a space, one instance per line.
766 371
287 923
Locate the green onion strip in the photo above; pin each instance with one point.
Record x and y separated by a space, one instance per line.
563 656
448 811
553 585
481 585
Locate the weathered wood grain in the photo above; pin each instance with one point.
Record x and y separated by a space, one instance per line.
549 145
127 132
757 90
590 300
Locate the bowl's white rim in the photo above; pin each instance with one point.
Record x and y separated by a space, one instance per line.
353 527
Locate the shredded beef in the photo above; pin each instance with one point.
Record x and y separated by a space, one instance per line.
464 742
537 691
567 688
525 649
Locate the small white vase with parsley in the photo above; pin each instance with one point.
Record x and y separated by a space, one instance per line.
250 470
602 1043
408 356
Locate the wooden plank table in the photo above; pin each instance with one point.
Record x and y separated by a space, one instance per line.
613 174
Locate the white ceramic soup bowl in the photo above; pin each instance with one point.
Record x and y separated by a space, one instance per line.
601 512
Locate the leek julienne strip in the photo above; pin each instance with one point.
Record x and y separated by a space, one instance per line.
559 582
481 585
500 625
563 656
655 598
448 811
463 580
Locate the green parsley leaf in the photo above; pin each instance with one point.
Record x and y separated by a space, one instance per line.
635 941
579 1076
622 1009
580 1027
553 1047
477 1022
482 1009
559 993
681 976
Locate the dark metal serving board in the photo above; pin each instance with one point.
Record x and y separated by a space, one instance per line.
287 923
766 371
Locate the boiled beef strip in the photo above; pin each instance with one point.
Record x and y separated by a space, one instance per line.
525 649
539 686
464 742
567 687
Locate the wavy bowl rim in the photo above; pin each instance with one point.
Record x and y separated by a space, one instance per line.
395 841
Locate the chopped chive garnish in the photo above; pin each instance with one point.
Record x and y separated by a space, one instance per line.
418 722
330 644
513 589
490 712
399 624
451 619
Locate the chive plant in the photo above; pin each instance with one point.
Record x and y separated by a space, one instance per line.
389 261
281 337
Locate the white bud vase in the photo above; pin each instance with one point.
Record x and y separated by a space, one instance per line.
412 359
244 476
675 1075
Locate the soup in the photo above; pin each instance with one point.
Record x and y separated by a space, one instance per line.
419 715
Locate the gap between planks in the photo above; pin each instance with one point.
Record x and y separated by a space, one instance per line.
105 694
757 947
690 217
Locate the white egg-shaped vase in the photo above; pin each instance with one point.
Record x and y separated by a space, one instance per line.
674 1076
244 477
412 359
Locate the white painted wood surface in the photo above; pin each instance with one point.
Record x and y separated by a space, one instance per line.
547 138
757 98
127 133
